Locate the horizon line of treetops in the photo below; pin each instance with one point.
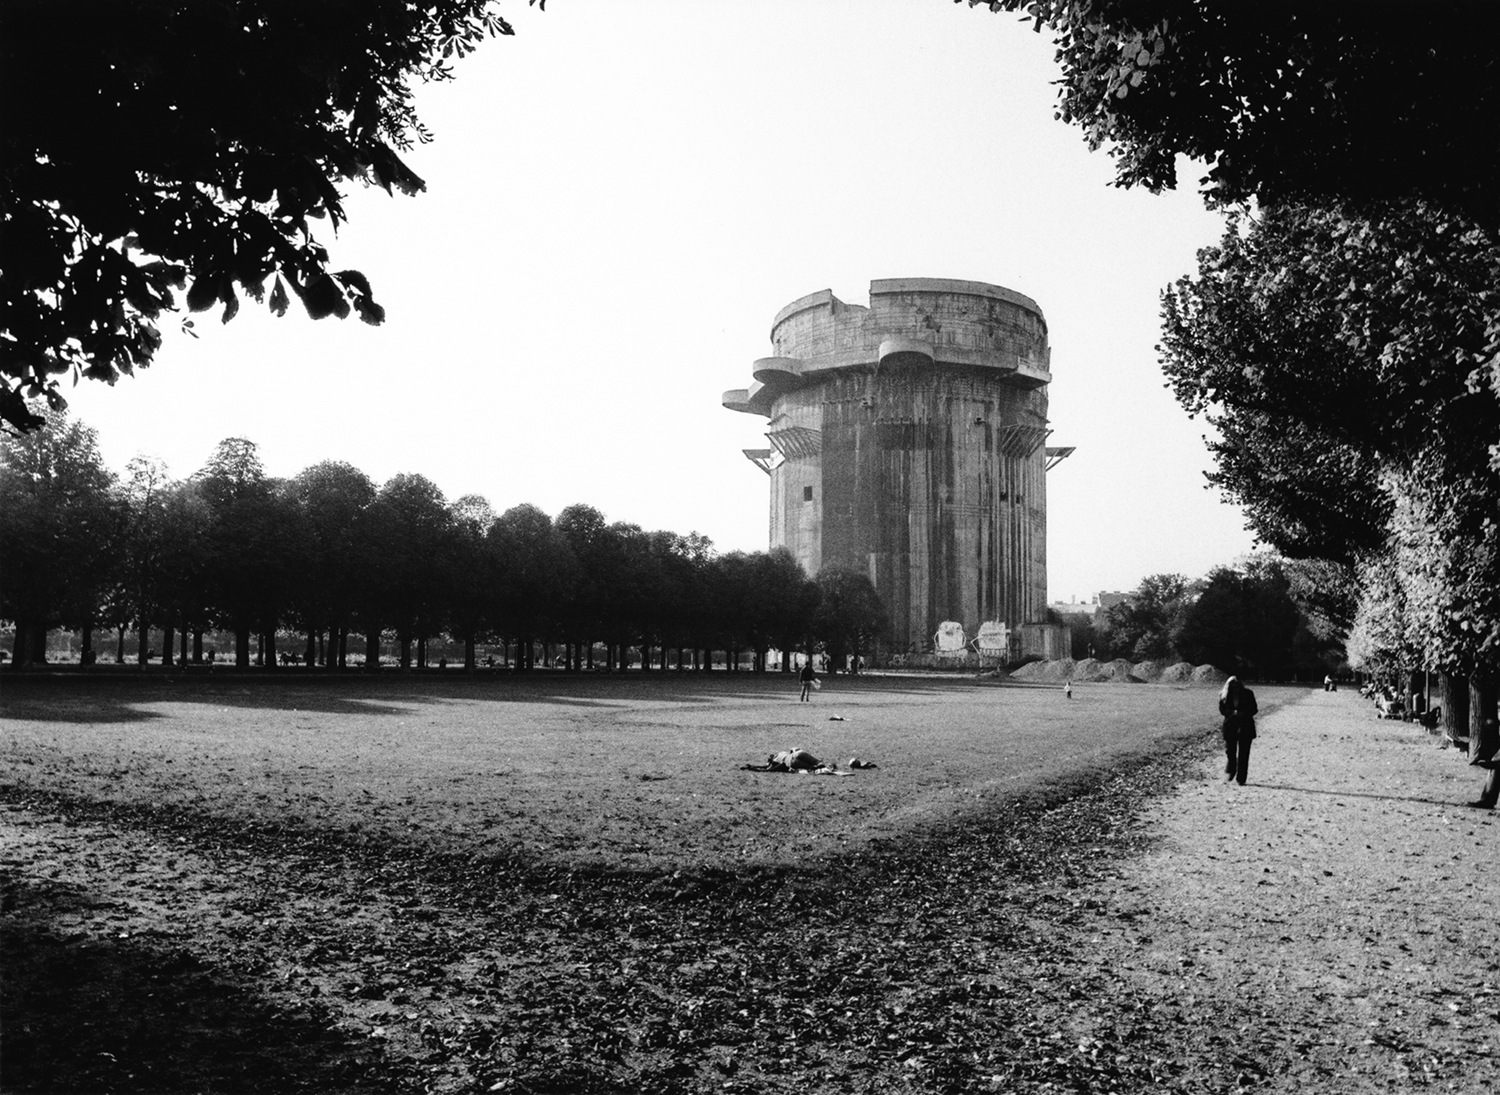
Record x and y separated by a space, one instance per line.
328 555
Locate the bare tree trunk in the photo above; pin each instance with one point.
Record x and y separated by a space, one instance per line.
1484 738
26 649
242 648
1455 698
372 652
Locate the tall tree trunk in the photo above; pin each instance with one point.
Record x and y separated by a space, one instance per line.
311 656
268 646
372 652
167 638
403 647
86 655
470 659
21 654
182 659
120 646
1455 694
197 646
242 647
1484 737
142 637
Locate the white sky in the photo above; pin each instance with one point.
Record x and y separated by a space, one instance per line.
622 196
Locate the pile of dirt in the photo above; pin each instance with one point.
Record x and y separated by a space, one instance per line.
1090 669
1149 670
1093 671
1060 669
1121 670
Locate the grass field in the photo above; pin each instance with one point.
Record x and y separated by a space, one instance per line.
560 884
613 772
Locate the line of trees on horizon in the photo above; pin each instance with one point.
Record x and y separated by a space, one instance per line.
1262 617
337 560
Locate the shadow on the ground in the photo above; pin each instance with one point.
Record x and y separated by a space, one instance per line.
1356 794
96 1012
118 697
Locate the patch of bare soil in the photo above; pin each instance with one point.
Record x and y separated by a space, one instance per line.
1148 931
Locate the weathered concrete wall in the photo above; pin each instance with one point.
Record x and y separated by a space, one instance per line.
911 443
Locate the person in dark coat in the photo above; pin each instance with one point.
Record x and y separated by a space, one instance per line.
1237 705
807 678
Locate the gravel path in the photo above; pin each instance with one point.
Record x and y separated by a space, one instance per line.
1344 907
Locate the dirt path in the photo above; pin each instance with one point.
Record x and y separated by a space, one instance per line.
1345 903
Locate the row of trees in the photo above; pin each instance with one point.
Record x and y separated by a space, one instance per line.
1344 336
1250 619
328 554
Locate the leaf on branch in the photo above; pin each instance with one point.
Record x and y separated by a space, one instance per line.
203 293
324 298
389 171
279 299
357 287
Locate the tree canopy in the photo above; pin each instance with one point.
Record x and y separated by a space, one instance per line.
1344 337
1348 362
1326 102
168 145
327 553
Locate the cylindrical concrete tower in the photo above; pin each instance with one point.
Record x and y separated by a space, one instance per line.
908 441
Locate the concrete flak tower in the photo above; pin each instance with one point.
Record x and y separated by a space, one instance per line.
908 441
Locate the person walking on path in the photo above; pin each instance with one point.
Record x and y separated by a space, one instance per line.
807 679
1237 705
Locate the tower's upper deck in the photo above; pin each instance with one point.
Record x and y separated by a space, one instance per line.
914 321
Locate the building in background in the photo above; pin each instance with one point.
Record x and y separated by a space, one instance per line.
908 441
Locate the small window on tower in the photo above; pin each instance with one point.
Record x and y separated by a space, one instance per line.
807 494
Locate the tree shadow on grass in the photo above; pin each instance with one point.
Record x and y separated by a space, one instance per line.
1329 793
120 697
85 707
95 1013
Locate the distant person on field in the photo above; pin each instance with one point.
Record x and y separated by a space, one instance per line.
1068 690
1237 705
807 678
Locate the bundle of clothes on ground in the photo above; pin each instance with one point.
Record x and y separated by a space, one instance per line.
798 759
